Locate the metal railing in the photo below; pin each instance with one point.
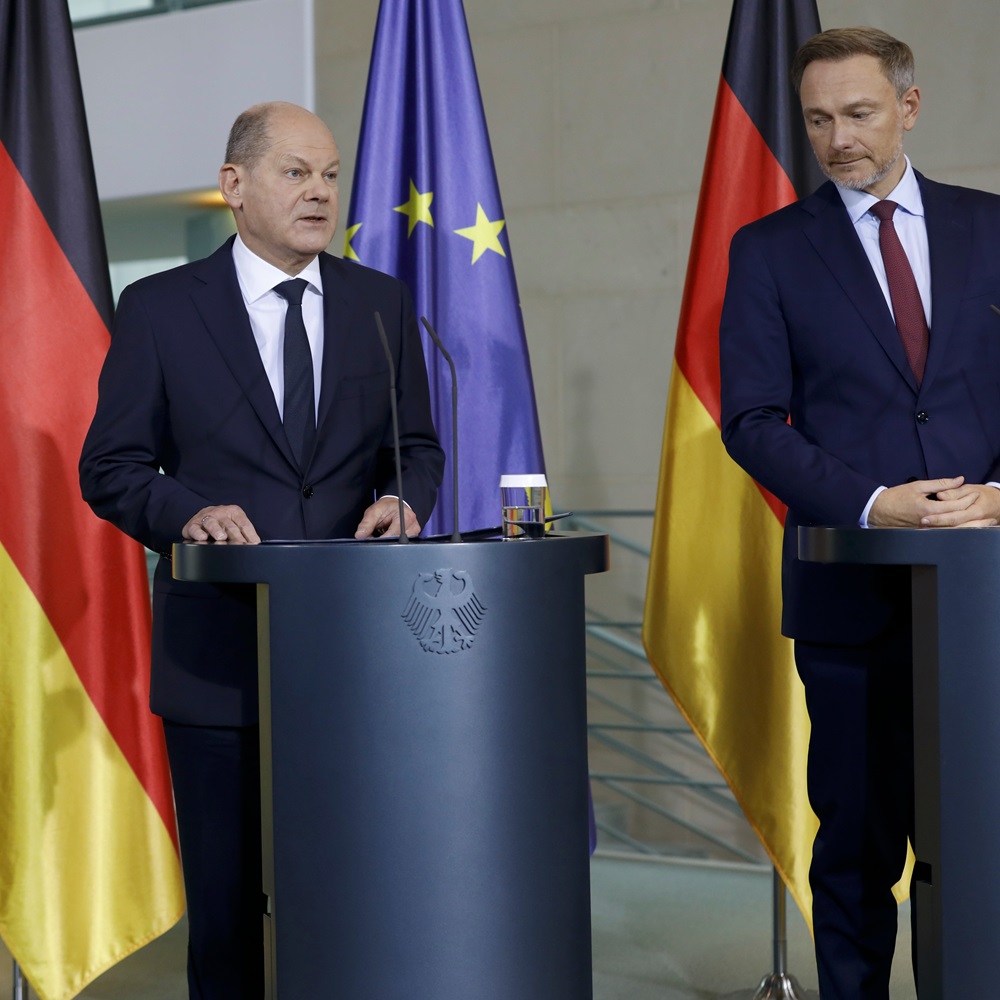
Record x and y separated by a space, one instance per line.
655 789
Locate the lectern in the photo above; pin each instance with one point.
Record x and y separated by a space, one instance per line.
423 764
956 710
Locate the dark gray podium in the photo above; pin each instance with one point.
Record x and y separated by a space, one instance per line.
424 764
956 680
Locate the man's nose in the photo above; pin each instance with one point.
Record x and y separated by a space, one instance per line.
842 135
317 189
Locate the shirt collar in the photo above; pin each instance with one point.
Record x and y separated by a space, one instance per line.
906 194
258 277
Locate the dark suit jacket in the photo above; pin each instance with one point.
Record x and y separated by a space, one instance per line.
183 389
806 334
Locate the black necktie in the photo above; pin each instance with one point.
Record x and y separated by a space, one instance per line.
299 412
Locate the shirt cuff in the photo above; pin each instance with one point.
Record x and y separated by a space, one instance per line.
863 520
390 496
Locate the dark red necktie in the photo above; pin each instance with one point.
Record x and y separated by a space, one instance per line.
910 319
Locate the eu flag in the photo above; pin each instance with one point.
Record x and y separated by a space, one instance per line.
426 207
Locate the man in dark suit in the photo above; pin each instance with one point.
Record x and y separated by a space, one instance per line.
237 405
861 385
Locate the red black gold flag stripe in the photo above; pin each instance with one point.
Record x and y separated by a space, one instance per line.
89 865
713 599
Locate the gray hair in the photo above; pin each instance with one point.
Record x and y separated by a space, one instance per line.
250 136
837 44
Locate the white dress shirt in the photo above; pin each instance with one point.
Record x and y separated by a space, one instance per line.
267 308
910 225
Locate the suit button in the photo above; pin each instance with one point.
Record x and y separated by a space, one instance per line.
307 491
922 417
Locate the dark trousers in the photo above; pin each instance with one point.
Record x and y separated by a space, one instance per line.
216 777
860 779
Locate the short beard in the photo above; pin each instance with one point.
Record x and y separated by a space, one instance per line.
880 170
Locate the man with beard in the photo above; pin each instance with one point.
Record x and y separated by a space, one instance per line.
860 372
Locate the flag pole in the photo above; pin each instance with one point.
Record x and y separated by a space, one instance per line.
779 984
20 991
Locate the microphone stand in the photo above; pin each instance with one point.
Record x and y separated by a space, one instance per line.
395 426
456 535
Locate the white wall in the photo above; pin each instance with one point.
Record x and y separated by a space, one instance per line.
162 91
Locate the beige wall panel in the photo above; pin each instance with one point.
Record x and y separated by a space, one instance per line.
600 246
636 94
543 319
518 74
615 363
488 16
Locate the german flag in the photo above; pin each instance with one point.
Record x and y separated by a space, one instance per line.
89 868
713 600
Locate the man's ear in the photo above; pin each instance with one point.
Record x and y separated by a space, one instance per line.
231 185
911 107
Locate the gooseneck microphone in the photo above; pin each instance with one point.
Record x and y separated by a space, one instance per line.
456 535
395 425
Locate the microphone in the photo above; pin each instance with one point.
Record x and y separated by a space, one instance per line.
456 535
395 425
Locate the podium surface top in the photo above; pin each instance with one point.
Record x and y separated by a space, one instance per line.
898 546
581 552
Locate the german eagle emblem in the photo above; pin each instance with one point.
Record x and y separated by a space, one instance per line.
444 612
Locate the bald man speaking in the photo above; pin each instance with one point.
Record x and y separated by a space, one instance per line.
246 397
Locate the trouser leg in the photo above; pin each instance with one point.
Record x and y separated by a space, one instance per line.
216 778
860 777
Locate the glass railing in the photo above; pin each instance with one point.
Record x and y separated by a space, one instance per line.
655 789
86 12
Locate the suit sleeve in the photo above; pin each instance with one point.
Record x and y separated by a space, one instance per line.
760 380
421 457
128 440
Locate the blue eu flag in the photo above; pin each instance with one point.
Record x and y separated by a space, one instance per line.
426 207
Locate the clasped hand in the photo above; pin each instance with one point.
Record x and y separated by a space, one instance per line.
958 505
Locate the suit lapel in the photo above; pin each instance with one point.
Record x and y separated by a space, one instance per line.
832 234
339 307
949 239
219 301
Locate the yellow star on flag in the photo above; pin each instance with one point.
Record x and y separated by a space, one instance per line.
485 235
349 252
417 209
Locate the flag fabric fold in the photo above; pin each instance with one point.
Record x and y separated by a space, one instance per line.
426 207
89 867
713 601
